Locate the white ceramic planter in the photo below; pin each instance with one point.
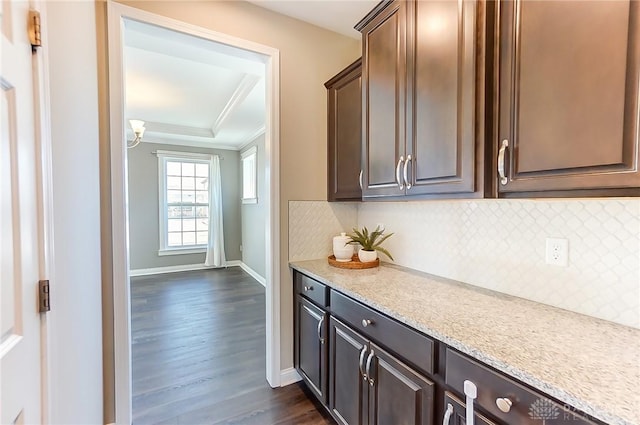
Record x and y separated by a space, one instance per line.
367 256
341 249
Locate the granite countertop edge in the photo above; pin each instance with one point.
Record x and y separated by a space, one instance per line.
599 412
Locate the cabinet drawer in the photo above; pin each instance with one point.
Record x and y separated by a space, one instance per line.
458 412
404 341
311 289
527 406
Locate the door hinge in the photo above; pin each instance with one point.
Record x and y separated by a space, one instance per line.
35 34
44 301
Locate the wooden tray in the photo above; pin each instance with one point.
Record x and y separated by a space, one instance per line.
355 263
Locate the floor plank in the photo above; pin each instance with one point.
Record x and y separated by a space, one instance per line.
198 353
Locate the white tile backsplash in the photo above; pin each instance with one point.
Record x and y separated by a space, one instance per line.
500 245
313 224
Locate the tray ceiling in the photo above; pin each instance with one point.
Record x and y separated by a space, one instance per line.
191 91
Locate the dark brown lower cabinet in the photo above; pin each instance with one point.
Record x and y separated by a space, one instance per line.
311 346
348 389
369 369
368 385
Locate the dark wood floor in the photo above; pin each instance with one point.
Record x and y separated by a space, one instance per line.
198 349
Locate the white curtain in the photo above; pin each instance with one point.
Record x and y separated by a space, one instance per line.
215 248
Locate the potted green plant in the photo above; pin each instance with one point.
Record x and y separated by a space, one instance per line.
369 243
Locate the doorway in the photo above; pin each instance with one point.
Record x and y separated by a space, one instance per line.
118 16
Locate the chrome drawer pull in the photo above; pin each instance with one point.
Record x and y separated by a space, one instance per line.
308 288
404 173
369 360
447 414
398 178
320 323
367 322
360 179
504 404
361 363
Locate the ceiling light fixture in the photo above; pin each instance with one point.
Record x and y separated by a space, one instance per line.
138 129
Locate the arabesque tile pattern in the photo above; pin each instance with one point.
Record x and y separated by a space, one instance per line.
500 245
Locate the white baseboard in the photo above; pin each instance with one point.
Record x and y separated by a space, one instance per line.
180 268
261 280
168 269
289 376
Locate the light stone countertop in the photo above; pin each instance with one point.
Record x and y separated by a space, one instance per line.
590 364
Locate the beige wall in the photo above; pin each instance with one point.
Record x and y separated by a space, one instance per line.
309 56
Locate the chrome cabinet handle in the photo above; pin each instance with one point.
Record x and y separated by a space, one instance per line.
360 179
501 162
447 414
400 161
367 322
504 404
320 323
404 173
369 360
308 288
361 363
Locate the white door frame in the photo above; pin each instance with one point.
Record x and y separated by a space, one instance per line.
120 249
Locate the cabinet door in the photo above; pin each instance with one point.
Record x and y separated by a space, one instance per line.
397 394
311 347
344 134
568 103
347 388
444 91
384 86
458 412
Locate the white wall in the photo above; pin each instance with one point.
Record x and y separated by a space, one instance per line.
76 312
254 216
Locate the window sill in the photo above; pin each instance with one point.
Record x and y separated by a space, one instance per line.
250 201
181 251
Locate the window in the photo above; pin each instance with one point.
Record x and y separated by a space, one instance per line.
184 202
249 176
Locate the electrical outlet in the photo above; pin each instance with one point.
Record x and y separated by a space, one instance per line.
557 253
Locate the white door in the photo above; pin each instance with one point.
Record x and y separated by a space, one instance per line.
21 390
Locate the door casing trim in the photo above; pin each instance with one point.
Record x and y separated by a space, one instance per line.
116 12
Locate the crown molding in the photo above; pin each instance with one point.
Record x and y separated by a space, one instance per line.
244 87
192 143
253 136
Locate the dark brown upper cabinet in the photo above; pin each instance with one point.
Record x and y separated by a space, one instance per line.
423 99
384 97
344 134
568 98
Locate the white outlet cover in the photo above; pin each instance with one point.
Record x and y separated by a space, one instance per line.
557 252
